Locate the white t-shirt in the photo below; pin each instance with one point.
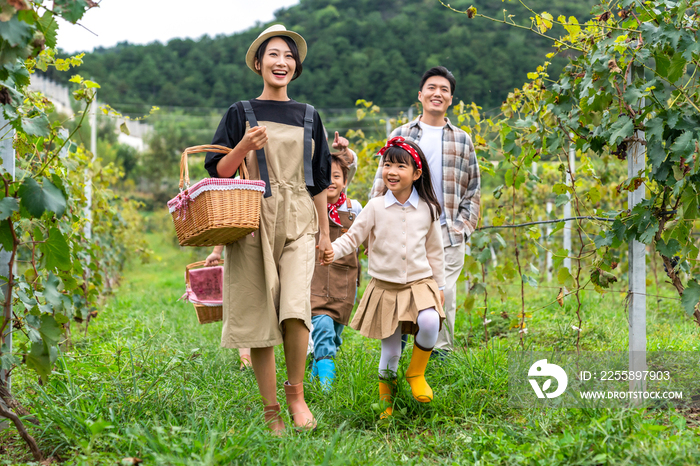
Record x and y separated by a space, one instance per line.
431 145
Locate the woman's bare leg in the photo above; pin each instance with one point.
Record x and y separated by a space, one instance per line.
263 360
296 341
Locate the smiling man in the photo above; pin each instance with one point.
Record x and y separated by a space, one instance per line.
456 180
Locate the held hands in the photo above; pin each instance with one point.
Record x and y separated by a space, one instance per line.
325 250
255 138
340 144
213 259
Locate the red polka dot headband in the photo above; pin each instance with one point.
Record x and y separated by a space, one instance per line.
398 141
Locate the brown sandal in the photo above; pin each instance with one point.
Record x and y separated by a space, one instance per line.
273 419
303 419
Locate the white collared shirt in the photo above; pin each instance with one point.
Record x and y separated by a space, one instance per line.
390 199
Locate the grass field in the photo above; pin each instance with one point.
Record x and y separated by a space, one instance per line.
148 381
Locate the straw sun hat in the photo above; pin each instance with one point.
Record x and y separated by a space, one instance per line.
272 31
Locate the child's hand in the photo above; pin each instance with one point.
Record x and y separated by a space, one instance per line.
213 259
324 244
442 298
340 144
328 256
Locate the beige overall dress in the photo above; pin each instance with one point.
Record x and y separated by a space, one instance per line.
267 275
334 286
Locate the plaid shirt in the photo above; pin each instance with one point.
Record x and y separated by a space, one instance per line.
461 181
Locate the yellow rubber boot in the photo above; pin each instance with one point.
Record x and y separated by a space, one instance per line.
415 375
386 387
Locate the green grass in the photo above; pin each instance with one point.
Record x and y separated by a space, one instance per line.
148 381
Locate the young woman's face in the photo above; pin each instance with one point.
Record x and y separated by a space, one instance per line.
398 177
278 64
337 183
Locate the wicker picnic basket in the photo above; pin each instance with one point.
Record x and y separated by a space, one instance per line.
216 210
205 294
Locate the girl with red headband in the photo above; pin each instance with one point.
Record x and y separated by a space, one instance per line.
406 265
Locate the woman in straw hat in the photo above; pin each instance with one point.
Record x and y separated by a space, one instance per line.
267 275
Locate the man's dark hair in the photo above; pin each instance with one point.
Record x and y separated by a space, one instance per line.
292 46
439 71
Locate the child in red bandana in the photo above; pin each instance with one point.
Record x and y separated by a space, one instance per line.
334 286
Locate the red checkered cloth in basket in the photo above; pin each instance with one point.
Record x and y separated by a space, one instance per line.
206 286
181 201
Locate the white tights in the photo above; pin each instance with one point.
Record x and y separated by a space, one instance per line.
428 326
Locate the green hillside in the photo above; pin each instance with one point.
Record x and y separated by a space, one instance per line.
369 49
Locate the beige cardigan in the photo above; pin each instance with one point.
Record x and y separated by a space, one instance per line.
404 244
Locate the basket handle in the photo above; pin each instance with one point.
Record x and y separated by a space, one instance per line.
194 265
184 170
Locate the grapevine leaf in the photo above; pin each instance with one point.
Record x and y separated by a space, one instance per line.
8 360
677 67
37 198
654 128
602 278
683 146
7 206
49 27
622 128
15 32
484 256
56 251
50 331
37 126
39 359
559 257
51 293
71 10
689 199
6 238
668 249
663 63
650 230
561 199
31 197
602 240
656 153
691 297
564 278
594 194
53 197
530 281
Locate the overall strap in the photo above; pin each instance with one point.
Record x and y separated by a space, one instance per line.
262 162
308 125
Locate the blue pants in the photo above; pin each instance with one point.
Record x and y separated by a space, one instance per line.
326 336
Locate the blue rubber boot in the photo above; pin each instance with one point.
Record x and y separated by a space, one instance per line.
326 373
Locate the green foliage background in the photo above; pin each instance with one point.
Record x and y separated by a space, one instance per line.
360 49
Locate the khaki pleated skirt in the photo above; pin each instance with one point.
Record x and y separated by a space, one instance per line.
385 306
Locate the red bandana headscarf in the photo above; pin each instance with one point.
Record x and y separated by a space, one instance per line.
333 209
398 141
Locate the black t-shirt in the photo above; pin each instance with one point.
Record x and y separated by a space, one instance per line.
232 129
